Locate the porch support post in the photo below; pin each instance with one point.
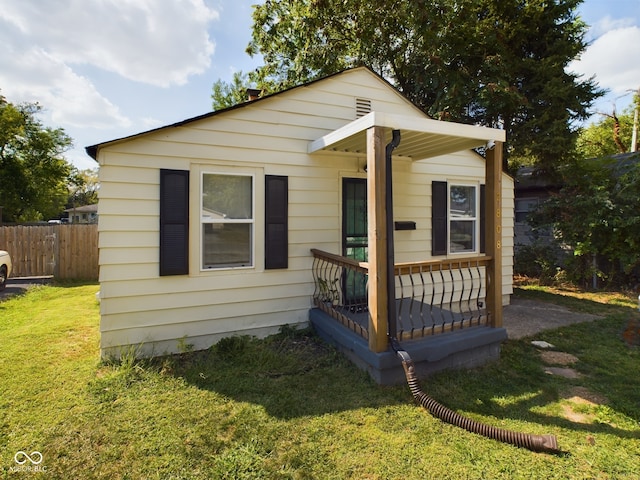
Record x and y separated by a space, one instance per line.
377 233
493 213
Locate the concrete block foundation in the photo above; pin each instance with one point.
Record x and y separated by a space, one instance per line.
465 348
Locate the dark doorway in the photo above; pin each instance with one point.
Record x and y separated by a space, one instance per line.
354 237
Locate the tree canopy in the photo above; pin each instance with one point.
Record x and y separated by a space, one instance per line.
610 135
33 173
84 188
499 63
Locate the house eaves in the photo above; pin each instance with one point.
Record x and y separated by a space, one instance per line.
421 137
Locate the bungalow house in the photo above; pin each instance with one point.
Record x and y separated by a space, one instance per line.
83 214
337 202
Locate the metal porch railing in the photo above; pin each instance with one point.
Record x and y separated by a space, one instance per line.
432 297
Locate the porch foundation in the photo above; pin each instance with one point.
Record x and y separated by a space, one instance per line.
465 348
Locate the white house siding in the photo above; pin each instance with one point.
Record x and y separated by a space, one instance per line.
267 137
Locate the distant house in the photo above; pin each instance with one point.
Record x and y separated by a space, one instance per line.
274 212
531 191
83 214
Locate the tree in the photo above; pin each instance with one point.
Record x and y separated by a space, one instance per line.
596 213
33 173
83 188
499 63
229 94
612 134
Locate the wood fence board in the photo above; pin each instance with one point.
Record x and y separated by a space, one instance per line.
62 251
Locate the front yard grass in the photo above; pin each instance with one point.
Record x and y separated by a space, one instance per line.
290 407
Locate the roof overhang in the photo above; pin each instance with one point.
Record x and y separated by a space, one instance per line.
421 137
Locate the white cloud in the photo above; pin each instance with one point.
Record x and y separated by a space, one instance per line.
608 23
43 44
613 59
149 123
32 75
137 39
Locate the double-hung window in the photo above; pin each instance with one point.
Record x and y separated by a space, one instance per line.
227 215
463 218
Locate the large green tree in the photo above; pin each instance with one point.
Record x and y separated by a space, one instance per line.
83 189
33 173
500 63
610 135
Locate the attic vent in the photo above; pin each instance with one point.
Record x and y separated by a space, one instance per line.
363 106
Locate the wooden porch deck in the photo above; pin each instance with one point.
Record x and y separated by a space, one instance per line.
429 319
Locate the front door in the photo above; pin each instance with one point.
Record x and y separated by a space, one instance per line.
354 237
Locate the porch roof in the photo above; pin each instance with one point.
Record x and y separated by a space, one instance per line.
421 137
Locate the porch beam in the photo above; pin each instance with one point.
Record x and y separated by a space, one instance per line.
377 235
493 213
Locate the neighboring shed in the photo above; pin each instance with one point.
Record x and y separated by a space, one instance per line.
207 226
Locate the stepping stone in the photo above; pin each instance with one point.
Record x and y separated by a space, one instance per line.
558 358
562 372
541 344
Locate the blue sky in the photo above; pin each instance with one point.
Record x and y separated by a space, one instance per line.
104 69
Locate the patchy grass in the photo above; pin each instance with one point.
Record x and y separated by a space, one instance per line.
290 407
595 302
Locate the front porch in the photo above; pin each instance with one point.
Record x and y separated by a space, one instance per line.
447 312
440 314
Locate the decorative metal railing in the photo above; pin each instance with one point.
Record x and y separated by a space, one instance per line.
432 297
440 296
341 289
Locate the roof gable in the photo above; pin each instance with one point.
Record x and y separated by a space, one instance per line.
92 150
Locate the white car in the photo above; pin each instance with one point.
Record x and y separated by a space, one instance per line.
5 268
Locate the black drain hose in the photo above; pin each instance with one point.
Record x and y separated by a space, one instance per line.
537 443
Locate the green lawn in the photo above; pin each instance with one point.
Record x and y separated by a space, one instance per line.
290 407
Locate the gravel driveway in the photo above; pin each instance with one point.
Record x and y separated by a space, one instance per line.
16 286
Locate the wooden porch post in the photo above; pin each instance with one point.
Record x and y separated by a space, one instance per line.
377 233
493 213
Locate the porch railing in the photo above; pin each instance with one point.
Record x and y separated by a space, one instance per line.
432 297
341 290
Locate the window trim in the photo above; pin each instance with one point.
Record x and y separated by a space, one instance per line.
243 221
476 219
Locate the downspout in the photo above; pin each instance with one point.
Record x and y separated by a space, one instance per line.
537 443
391 278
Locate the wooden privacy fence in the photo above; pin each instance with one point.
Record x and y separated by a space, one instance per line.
61 251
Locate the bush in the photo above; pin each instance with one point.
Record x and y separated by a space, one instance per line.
539 260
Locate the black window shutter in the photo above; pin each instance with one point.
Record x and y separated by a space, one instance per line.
439 218
174 222
483 219
276 222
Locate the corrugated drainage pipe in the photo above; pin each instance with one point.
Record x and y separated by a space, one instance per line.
537 443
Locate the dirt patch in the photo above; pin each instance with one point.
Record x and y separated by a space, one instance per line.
583 395
524 318
631 333
558 358
579 404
